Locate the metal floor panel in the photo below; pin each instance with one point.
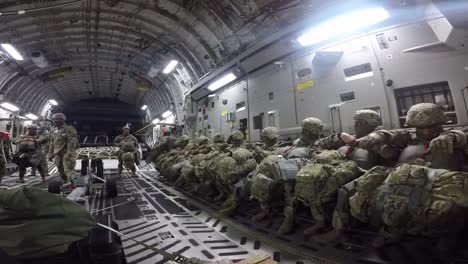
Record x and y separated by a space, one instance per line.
166 223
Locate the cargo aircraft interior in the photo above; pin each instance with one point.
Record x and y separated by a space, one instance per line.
233 131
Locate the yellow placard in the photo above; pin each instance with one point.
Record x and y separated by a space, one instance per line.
224 113
305 85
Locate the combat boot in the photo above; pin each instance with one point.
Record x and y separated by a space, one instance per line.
230 209
314 229
262 214
288 221
21 174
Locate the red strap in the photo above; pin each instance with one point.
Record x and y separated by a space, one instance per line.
424 155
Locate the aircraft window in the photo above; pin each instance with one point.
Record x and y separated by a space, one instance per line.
437 93
304 72
349 96
358 72
271 96
225 102
212 104
258 122
199 119
205 117
271 119
240 106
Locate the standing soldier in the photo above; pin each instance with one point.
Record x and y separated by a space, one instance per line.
45 149
127 143
63 147
30 153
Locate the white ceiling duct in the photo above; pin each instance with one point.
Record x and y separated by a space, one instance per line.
39 59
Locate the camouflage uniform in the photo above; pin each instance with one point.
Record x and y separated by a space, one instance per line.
365 122
412 199
30 153
162 148
311 129
430 146
63 148
231 170
45 150
270 146
317 184
128 146
442 150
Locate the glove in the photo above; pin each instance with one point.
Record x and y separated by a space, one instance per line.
442 144
371 141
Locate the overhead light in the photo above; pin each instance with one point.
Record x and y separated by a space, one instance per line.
144 107
359 76
28 123
31 116
167 114
9 106
170 67
241 109
12 51
53 102
222 81
156 121
212 95
343 24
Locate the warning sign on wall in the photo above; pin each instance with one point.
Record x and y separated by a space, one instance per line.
305 85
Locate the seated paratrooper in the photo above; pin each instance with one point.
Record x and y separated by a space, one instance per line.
231 170
412 199
429 146
270 146
365 122
318 182
162 148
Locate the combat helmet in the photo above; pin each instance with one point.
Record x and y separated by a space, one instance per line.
425 114
202 140
370 116
237 137
312 124
33 126
59 116
182 141
270 133
218 138
126 127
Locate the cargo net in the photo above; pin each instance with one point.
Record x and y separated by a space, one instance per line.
98 153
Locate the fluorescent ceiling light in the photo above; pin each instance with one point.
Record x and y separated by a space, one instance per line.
221 82
170 67
212 95
343 24
359 76
155 121
22 117
31 116
240 109
167 114
144 107
9 106
53 102
12 51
